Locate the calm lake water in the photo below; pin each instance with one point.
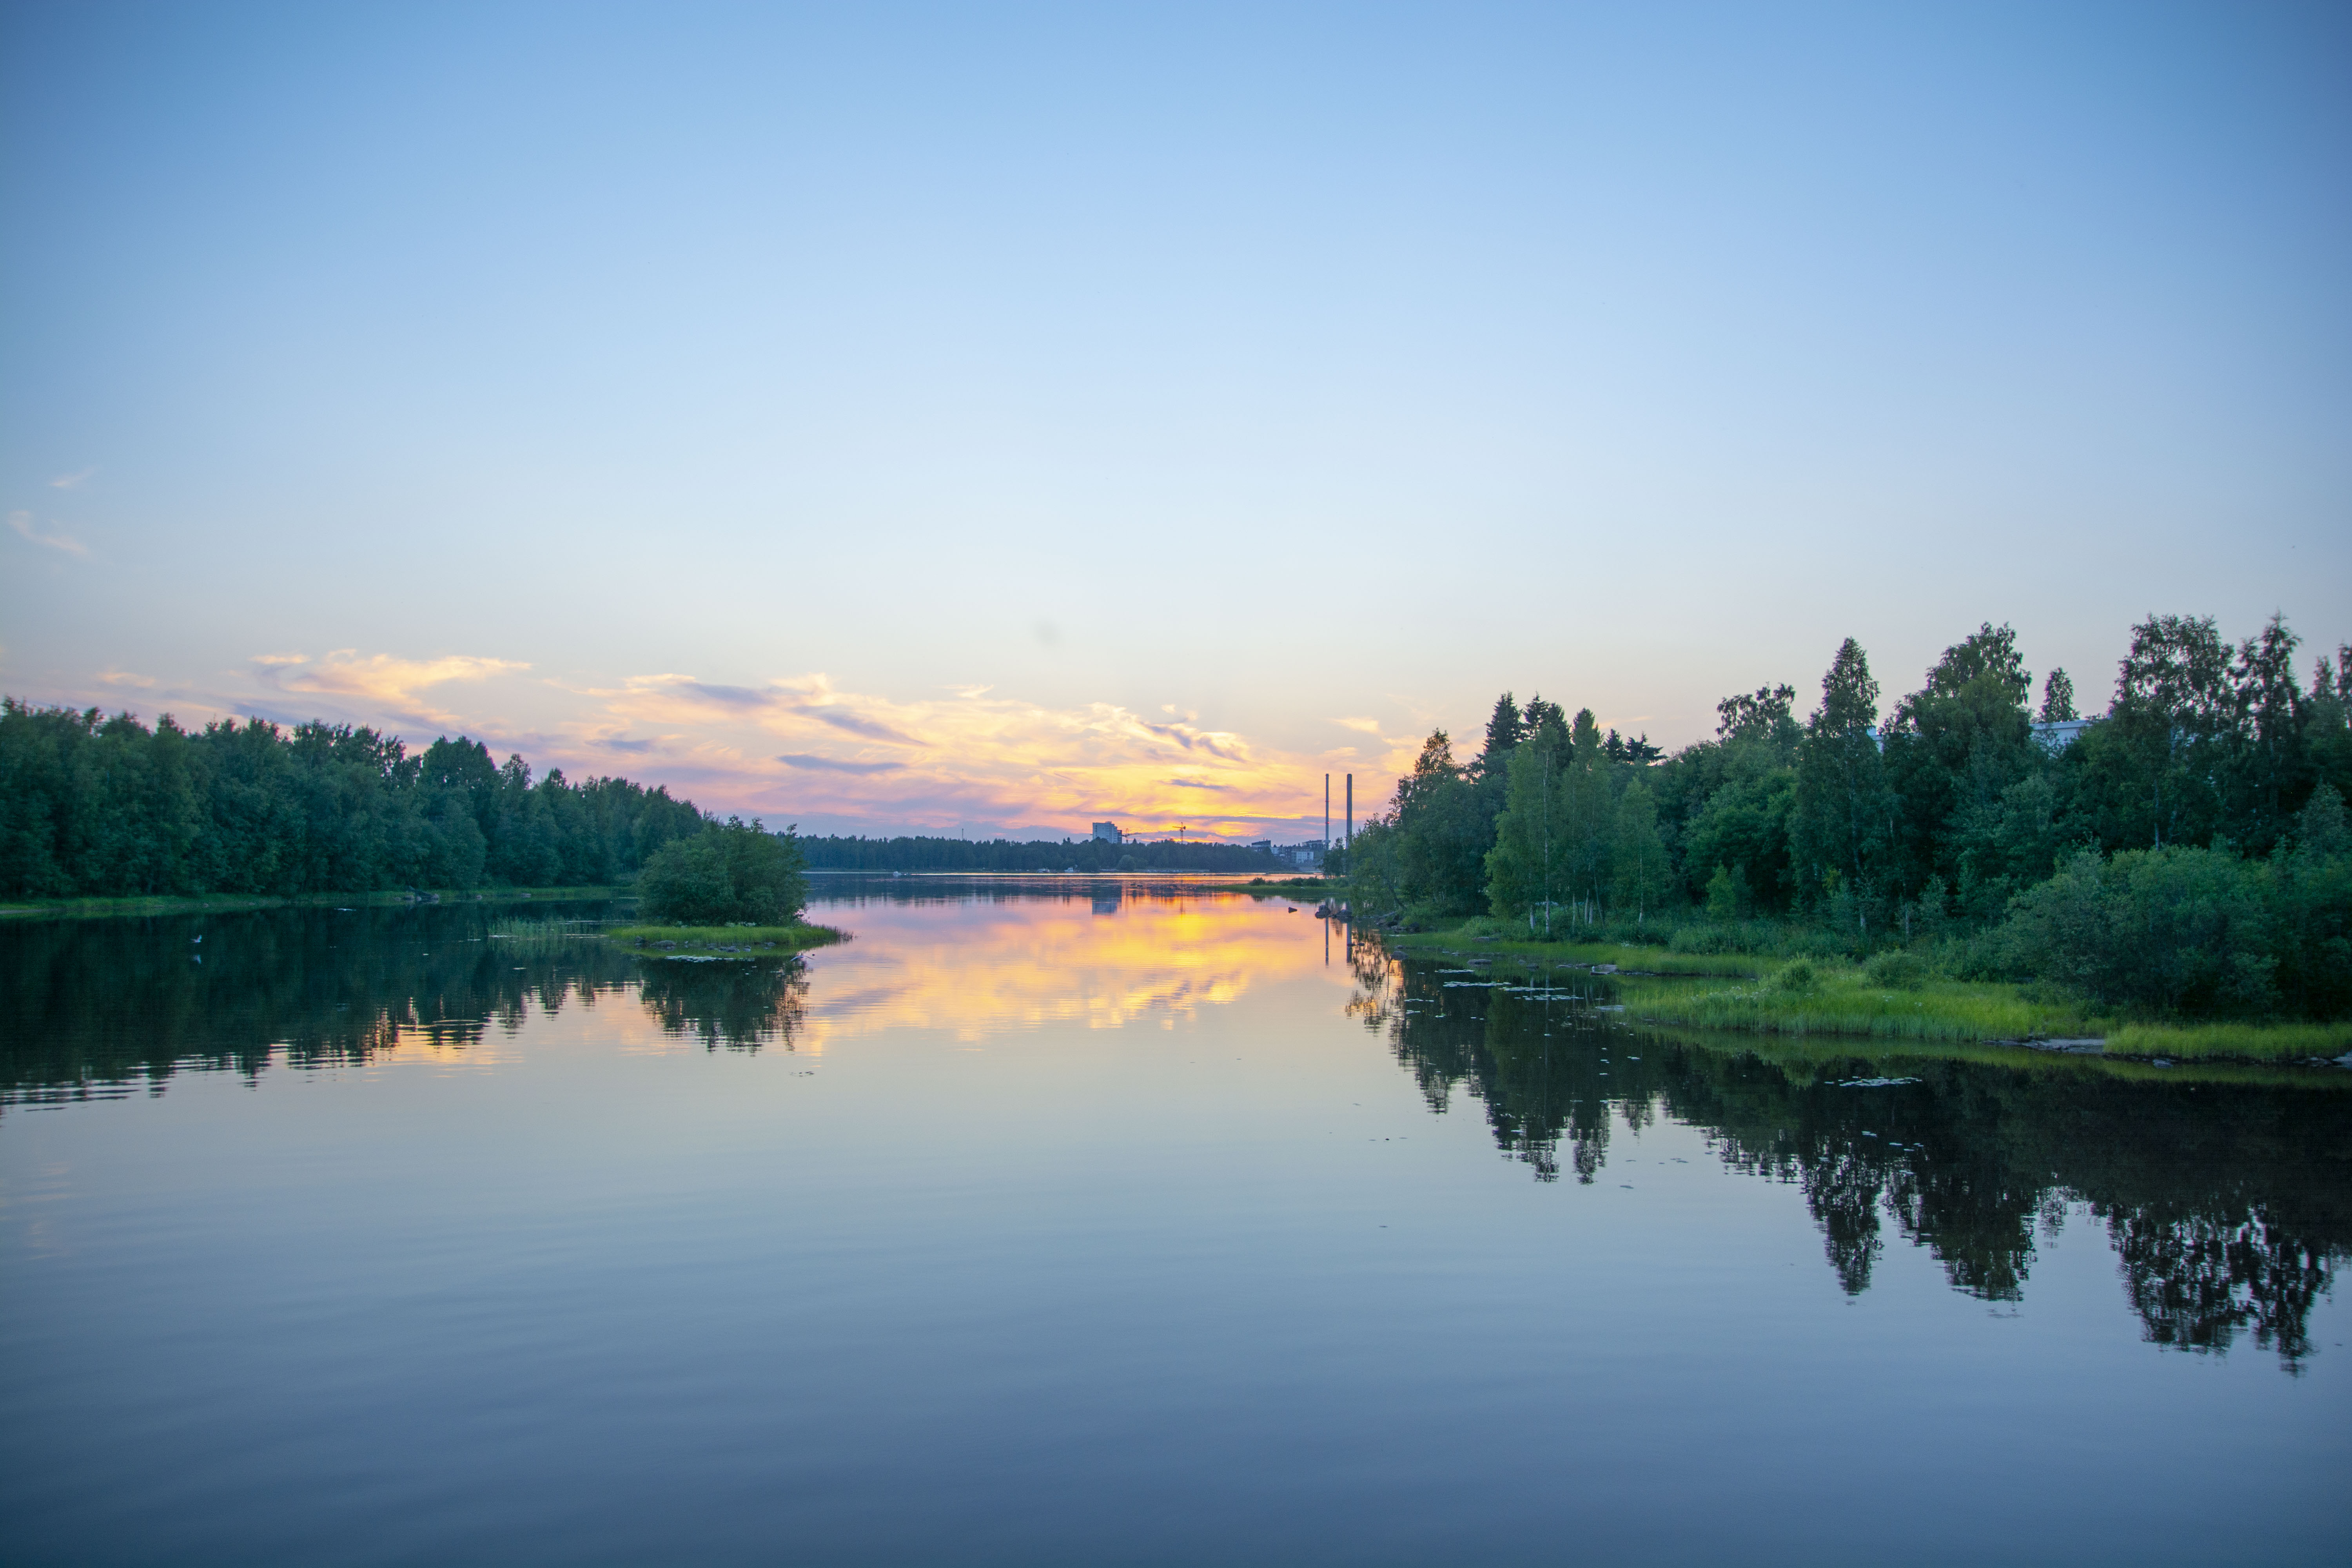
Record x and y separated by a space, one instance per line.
1055 1225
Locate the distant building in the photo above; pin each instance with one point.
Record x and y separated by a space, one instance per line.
2059 733
1263 846
1108 833
1307 856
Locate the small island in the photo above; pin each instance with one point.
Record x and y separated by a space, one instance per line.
732 891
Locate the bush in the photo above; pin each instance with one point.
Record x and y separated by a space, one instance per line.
724 875
2170 930
1704 939
1898 971
1797 979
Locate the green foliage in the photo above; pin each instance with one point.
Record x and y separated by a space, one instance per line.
1898 970
1438 833
738 872
97 806
1638 854
2167 930
1843 828
1723 896
1799 978
1706 938
2057 699
1529 867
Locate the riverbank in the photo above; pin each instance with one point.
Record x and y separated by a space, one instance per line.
1752 993
230 903
723 941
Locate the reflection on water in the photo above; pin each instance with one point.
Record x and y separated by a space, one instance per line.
1021 954
2226 1202
93 1009
1061 1221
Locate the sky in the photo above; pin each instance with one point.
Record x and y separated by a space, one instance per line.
995 419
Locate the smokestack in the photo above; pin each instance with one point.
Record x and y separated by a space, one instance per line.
1327 814
1351 819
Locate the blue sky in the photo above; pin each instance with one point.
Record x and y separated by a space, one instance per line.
996 417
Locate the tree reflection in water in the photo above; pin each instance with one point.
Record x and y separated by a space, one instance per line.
101 1009
740 1006
2227 1203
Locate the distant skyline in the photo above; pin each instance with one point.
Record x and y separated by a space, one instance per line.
978 419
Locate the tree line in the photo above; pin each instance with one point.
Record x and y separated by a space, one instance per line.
916 853
2201 813
97 806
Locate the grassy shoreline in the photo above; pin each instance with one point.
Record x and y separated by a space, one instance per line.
738 942
1754 995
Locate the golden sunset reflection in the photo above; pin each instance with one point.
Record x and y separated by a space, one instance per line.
1120 960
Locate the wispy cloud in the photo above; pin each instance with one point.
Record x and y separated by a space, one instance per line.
1197 783
380 683
22 522
124 678
836 764
72 481
1369 726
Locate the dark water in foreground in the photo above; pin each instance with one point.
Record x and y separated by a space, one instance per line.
1093 1229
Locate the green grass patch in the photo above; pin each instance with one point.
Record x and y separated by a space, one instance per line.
2231 1042
1844 1002
723 941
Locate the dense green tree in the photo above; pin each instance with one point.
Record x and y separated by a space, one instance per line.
1952 752
2057 699
93 805
738 872
1441 833
1531 867
2181 929
2157 770
1505 730
1842 829
1637 855
1588 798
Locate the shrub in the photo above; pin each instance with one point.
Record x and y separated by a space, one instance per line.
1797 979
1703 939
1898 971
2173 930
724 875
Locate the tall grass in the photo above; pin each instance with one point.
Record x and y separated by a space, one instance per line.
2244 1042
1845 1003
542 938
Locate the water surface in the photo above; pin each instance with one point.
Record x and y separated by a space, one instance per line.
1122 1223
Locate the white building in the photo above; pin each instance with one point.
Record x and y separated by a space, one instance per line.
1108 833
2061 734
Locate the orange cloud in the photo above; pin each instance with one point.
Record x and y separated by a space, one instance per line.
394 685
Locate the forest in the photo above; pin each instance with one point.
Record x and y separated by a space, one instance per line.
2185 850
99 807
